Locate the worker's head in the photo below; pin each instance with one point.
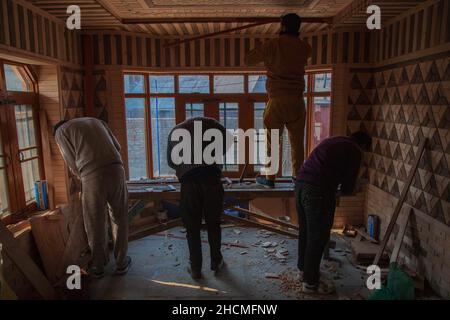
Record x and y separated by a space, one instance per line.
362 139
59 124
290 24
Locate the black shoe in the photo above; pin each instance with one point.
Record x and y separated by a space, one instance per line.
218 267
195 274
124 269
263 181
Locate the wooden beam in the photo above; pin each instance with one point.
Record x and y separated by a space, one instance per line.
155 229
213 34
89 77
401 200
220 20
264 217
400 235
46 152
259 225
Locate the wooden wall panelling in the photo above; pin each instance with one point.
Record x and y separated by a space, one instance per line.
49 101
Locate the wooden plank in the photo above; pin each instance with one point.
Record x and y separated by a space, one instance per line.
77 241
401 200
26 265
154 229
89 78
259 225
365 235
445 22
265 217
5 19
400 235
47 157
50 234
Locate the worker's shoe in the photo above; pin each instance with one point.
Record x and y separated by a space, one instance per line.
322 288
218 267
195 274
123 270
263 181
96 272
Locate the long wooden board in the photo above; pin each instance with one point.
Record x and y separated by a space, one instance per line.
259 225
400 235
400 202
264 217
46 153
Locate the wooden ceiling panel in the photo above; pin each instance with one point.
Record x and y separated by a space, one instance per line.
116 14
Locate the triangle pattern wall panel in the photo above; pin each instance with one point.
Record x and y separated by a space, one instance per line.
398 105
72 93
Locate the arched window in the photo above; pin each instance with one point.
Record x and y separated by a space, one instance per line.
20 149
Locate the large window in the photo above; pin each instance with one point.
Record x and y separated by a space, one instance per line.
155 103
20 151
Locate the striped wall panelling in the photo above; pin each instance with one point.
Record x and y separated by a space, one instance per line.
140 51
23 27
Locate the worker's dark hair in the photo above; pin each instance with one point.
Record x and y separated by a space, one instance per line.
362 139
59 124
291 23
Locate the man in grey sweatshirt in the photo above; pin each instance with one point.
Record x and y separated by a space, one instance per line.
92 153
201 194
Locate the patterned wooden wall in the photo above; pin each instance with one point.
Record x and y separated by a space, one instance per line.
24 27
72 97
140 51
398 105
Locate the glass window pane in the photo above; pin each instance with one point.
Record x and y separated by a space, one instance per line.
229 84
194 110
30 173
134 83
322 82
260 137
4 203
193 84
320 127
257 83
162 84
16 79
306 83
163 120
286 158
137 148
25 126
228 117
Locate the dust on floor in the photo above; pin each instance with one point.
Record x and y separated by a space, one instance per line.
259 265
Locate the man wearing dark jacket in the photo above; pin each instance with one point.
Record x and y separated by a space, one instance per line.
332 168
201 192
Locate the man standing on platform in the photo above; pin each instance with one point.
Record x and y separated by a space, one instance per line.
285 59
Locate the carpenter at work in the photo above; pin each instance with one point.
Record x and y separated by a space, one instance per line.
331 169
201 196
91 152
285 59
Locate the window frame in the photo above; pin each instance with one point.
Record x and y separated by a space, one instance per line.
11 149
310 94
211 102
